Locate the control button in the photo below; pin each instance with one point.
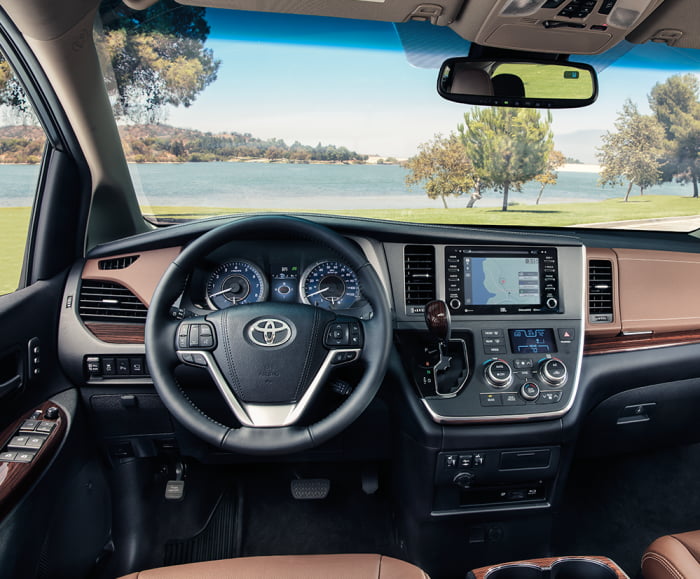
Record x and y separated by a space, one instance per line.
35 442
451 461
491 333
512 399
343 357
479 459
193 341
18 441
136 366
123 366
51 413
206 337
549 398
8 456
552 4
29 426
25 456
521 363
498 373
494 349
93 365
553 371
188 358
46 427
566 335
552 303
199 359
108 367
606 7
530 391
337 334
463 479
465 460
183 334
490 399
599 27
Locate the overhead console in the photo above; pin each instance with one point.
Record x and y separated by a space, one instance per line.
515 343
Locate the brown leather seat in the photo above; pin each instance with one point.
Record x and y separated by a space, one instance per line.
290 567
673 557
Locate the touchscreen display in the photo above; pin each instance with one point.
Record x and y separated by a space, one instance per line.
532 341
498 281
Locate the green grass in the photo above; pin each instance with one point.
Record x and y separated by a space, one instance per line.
14 224
544 215
14 221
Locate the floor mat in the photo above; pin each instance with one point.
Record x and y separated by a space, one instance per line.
220 538
616 506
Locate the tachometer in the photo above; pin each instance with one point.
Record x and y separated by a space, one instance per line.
234 283
330 285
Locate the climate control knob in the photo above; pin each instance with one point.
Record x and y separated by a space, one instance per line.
553 371
498 373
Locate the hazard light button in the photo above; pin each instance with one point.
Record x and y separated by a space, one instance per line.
566 335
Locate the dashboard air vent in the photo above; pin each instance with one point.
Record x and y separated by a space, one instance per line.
419 270
600 291
104 301
117 262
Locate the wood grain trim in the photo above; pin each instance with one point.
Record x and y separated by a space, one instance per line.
17 477
117 333
141 277
658 290
611 345
546 563
615 326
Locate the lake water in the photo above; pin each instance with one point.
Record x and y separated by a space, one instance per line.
308 187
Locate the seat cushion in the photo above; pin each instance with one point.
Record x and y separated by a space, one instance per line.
290 567
673 557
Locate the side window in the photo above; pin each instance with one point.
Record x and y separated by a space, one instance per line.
22 142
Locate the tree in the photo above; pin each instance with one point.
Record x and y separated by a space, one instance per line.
676 106
549 177
633 152
442 168
507 147
158 57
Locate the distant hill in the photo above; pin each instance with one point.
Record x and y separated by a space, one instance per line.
21 144
580 145
166 144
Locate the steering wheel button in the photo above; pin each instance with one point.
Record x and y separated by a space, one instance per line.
199 359
188 358
194 336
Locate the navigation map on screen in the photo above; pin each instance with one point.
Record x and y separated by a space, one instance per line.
501 281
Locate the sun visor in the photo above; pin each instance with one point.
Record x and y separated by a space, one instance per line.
440 12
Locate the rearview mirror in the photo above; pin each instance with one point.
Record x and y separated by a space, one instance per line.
518 83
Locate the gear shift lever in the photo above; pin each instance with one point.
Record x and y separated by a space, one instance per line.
437 318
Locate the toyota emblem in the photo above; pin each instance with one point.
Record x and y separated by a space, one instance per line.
269 332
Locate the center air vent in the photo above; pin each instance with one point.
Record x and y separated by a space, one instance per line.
419 268
600 291
104 301
117 262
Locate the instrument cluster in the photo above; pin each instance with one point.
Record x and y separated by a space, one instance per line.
325 283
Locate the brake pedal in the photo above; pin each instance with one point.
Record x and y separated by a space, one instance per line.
310 488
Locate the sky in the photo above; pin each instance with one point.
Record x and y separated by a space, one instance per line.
325 80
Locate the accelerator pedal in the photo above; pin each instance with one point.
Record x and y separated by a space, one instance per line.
305 489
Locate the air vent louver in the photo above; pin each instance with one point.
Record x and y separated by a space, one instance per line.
419 270
600 291
117 262
104 301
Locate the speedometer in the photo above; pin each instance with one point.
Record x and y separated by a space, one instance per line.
234 283
330 285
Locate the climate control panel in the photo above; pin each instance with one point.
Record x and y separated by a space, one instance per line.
519 372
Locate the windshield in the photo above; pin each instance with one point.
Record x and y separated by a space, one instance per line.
228 111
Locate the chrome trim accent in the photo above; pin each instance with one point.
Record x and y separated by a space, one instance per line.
275 332
268 415
466 377
640 333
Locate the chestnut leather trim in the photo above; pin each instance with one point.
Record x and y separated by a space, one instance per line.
673 557
355 566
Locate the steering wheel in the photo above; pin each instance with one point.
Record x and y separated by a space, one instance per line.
269 360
